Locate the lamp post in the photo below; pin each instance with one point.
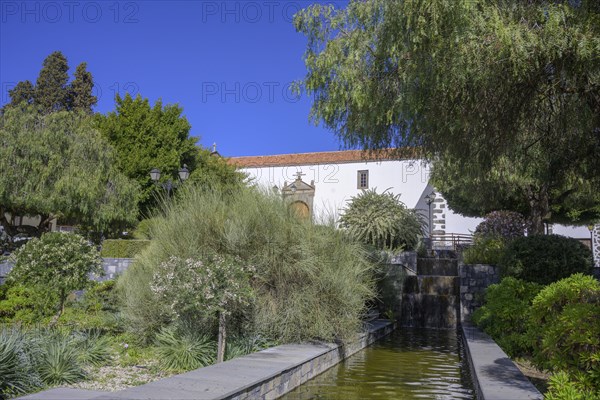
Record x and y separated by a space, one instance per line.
591 229
430 198
184 174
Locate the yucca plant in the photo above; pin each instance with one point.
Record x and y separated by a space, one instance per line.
93 348
240 346
58 359
17 375
381 220
183 351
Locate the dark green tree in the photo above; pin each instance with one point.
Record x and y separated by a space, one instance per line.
477 81
51 89
214 171
542 189
23 92
81 90
58 166
147 137
53 92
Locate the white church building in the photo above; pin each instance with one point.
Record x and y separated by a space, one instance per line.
328 180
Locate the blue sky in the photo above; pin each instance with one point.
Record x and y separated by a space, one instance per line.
227 63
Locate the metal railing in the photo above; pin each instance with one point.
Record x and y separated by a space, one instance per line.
451 241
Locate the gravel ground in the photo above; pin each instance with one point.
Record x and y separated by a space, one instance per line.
115 377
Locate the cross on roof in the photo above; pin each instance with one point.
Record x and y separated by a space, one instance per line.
299 175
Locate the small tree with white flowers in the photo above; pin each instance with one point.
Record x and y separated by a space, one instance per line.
215 287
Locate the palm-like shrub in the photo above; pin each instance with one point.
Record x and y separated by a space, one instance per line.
382 221
242 345
94 349
17 372
184 351
57 358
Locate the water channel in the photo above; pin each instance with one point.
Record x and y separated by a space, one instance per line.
408 364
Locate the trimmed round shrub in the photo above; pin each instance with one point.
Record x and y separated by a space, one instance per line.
56 265
565 329
507 225
505 314
545 258
381 220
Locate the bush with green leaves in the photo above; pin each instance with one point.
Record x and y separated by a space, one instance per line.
120 248
565 329
562 386
505 314
545 258
381 220
26 305
485 250
96 309
506 225
311 281
212 286
56 264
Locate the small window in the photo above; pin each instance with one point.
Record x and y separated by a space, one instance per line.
363 179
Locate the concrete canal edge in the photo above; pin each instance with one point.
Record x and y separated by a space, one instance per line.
267 374
495 376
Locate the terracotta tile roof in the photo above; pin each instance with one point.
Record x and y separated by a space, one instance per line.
326 157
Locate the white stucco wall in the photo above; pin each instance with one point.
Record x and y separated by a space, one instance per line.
335 184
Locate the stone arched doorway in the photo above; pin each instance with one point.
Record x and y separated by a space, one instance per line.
300 209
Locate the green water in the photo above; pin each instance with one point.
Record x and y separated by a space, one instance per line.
408 364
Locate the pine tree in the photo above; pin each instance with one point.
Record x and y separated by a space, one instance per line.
51 91
23 92
82 98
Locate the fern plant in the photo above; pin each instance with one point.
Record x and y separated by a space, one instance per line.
382 221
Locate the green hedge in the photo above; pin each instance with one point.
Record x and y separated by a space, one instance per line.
117 248
545 258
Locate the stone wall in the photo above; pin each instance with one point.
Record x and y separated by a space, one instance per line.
474 279
391 282
495 376
112 268
267 374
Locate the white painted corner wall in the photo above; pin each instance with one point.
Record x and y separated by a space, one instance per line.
336 183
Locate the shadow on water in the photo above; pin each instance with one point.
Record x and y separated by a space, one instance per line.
410 363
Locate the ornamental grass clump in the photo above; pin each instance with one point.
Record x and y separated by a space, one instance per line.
309 281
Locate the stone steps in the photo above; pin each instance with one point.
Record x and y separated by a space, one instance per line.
437 266
431 298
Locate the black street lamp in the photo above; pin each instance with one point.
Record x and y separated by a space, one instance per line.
184 174
591 228
430 198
